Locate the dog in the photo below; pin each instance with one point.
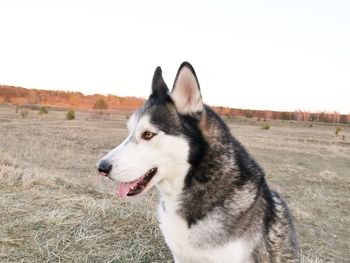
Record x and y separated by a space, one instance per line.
215 205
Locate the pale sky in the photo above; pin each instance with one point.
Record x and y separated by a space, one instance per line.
278 55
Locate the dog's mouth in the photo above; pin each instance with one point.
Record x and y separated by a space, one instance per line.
138 186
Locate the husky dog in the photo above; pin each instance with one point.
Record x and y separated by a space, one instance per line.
215 205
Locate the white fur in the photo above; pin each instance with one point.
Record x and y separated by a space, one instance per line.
189 245
186 93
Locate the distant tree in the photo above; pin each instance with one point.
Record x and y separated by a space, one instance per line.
248 113
70 115
322 117
313 117
286 116
43 110
343 118
101 104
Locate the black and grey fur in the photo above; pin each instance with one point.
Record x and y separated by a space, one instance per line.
224 196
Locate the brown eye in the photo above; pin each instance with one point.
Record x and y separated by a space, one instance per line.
147 135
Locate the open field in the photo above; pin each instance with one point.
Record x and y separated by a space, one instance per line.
55 208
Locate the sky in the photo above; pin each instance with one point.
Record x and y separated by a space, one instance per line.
277 55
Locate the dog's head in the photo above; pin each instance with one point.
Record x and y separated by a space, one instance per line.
163 140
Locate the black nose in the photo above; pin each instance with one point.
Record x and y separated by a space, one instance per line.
104 167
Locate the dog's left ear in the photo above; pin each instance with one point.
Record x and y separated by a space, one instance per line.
159 87
186 91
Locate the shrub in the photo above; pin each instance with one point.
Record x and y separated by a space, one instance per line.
43 110
70 115
248 114
229 118
101 104
337 131
24 113
265 126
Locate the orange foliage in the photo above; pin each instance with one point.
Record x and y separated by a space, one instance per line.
18 95
19 100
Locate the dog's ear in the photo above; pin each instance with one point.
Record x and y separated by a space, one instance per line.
186 91
159 87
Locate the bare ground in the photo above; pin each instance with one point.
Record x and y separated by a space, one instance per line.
55 208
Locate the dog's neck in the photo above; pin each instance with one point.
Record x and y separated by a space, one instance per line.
171 186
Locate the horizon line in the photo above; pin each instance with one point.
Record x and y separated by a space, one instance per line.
133 96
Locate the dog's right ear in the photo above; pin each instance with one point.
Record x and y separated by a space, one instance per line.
159 87
186 92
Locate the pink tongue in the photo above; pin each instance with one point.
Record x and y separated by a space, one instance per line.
124 188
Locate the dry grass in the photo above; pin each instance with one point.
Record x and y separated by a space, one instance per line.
57 209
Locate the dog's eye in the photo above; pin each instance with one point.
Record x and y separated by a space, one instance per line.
147 135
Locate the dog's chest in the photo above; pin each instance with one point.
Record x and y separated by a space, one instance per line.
192 245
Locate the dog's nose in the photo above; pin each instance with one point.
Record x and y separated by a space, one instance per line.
104 167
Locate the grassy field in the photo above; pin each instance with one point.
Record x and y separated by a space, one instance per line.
55 208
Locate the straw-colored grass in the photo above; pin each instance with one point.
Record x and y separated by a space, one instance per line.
55 208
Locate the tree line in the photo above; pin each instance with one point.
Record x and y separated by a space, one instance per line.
298 115
22 96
